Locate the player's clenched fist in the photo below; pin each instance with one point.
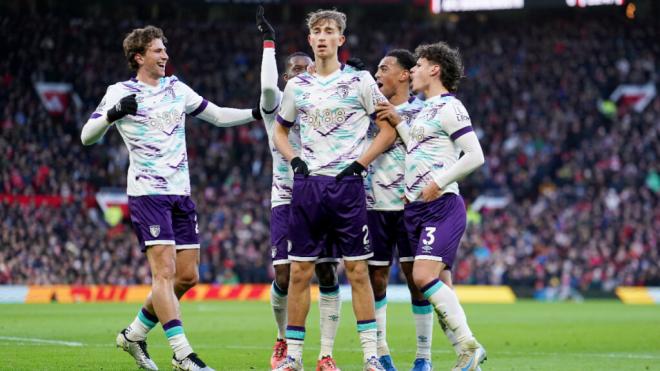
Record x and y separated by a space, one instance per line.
126 106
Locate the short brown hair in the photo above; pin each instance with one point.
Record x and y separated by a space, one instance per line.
449 60
137 42
314 18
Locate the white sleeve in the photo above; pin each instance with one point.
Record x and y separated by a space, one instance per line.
209 112
97 125
404 132
270 93
195 104
288 111
456 122
225 117
369 94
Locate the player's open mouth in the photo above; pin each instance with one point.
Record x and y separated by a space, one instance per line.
380 84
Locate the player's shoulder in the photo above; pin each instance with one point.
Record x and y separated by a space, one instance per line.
302 79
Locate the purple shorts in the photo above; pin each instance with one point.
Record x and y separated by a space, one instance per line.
388 231
164 220
279 233
323 208
435 228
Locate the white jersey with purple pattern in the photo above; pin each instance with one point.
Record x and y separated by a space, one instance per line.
385 183
333 113
282 173
431 148
155 135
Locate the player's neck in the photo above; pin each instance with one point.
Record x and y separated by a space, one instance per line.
146 78
400 97
435 89
326 67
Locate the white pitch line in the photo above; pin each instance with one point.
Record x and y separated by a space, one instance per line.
42 341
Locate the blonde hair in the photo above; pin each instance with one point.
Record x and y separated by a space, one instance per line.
320 15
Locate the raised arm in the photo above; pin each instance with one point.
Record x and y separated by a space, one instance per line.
270 93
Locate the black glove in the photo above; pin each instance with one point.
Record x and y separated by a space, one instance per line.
356 63
263 26
256 113
126 106
355 168
299 166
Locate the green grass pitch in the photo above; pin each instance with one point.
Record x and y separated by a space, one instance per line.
597 335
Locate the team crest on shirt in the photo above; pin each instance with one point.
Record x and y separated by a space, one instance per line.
154 230
417 133
342 91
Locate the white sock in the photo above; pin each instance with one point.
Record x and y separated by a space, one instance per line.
381 324
450 336
295 339
278 301
329 308
141 325
423 314
448 309
177 339
368 338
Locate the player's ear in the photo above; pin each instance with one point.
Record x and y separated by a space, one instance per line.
405 76
139 58
309 39
342 39
435 70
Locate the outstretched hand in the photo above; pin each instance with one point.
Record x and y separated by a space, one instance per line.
263 26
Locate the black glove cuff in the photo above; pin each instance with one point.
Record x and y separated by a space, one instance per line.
256 113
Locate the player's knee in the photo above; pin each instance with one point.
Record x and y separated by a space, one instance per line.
301 274
379 284
187 280
165 272
326 274
421 279
358 273
282 281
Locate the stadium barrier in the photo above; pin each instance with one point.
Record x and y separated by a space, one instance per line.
203 292
639 295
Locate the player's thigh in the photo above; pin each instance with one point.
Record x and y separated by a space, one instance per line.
187 266
184 223
162 261
151 217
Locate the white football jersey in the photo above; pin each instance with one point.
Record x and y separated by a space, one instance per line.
431 148
333 113
385 183
156 134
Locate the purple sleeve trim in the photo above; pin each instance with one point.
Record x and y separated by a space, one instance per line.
283 122
95 115
270 112
458 133
200 108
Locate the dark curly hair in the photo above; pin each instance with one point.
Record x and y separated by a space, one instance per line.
449 60
137 42
403 57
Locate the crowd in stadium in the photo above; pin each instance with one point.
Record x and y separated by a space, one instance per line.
583 186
